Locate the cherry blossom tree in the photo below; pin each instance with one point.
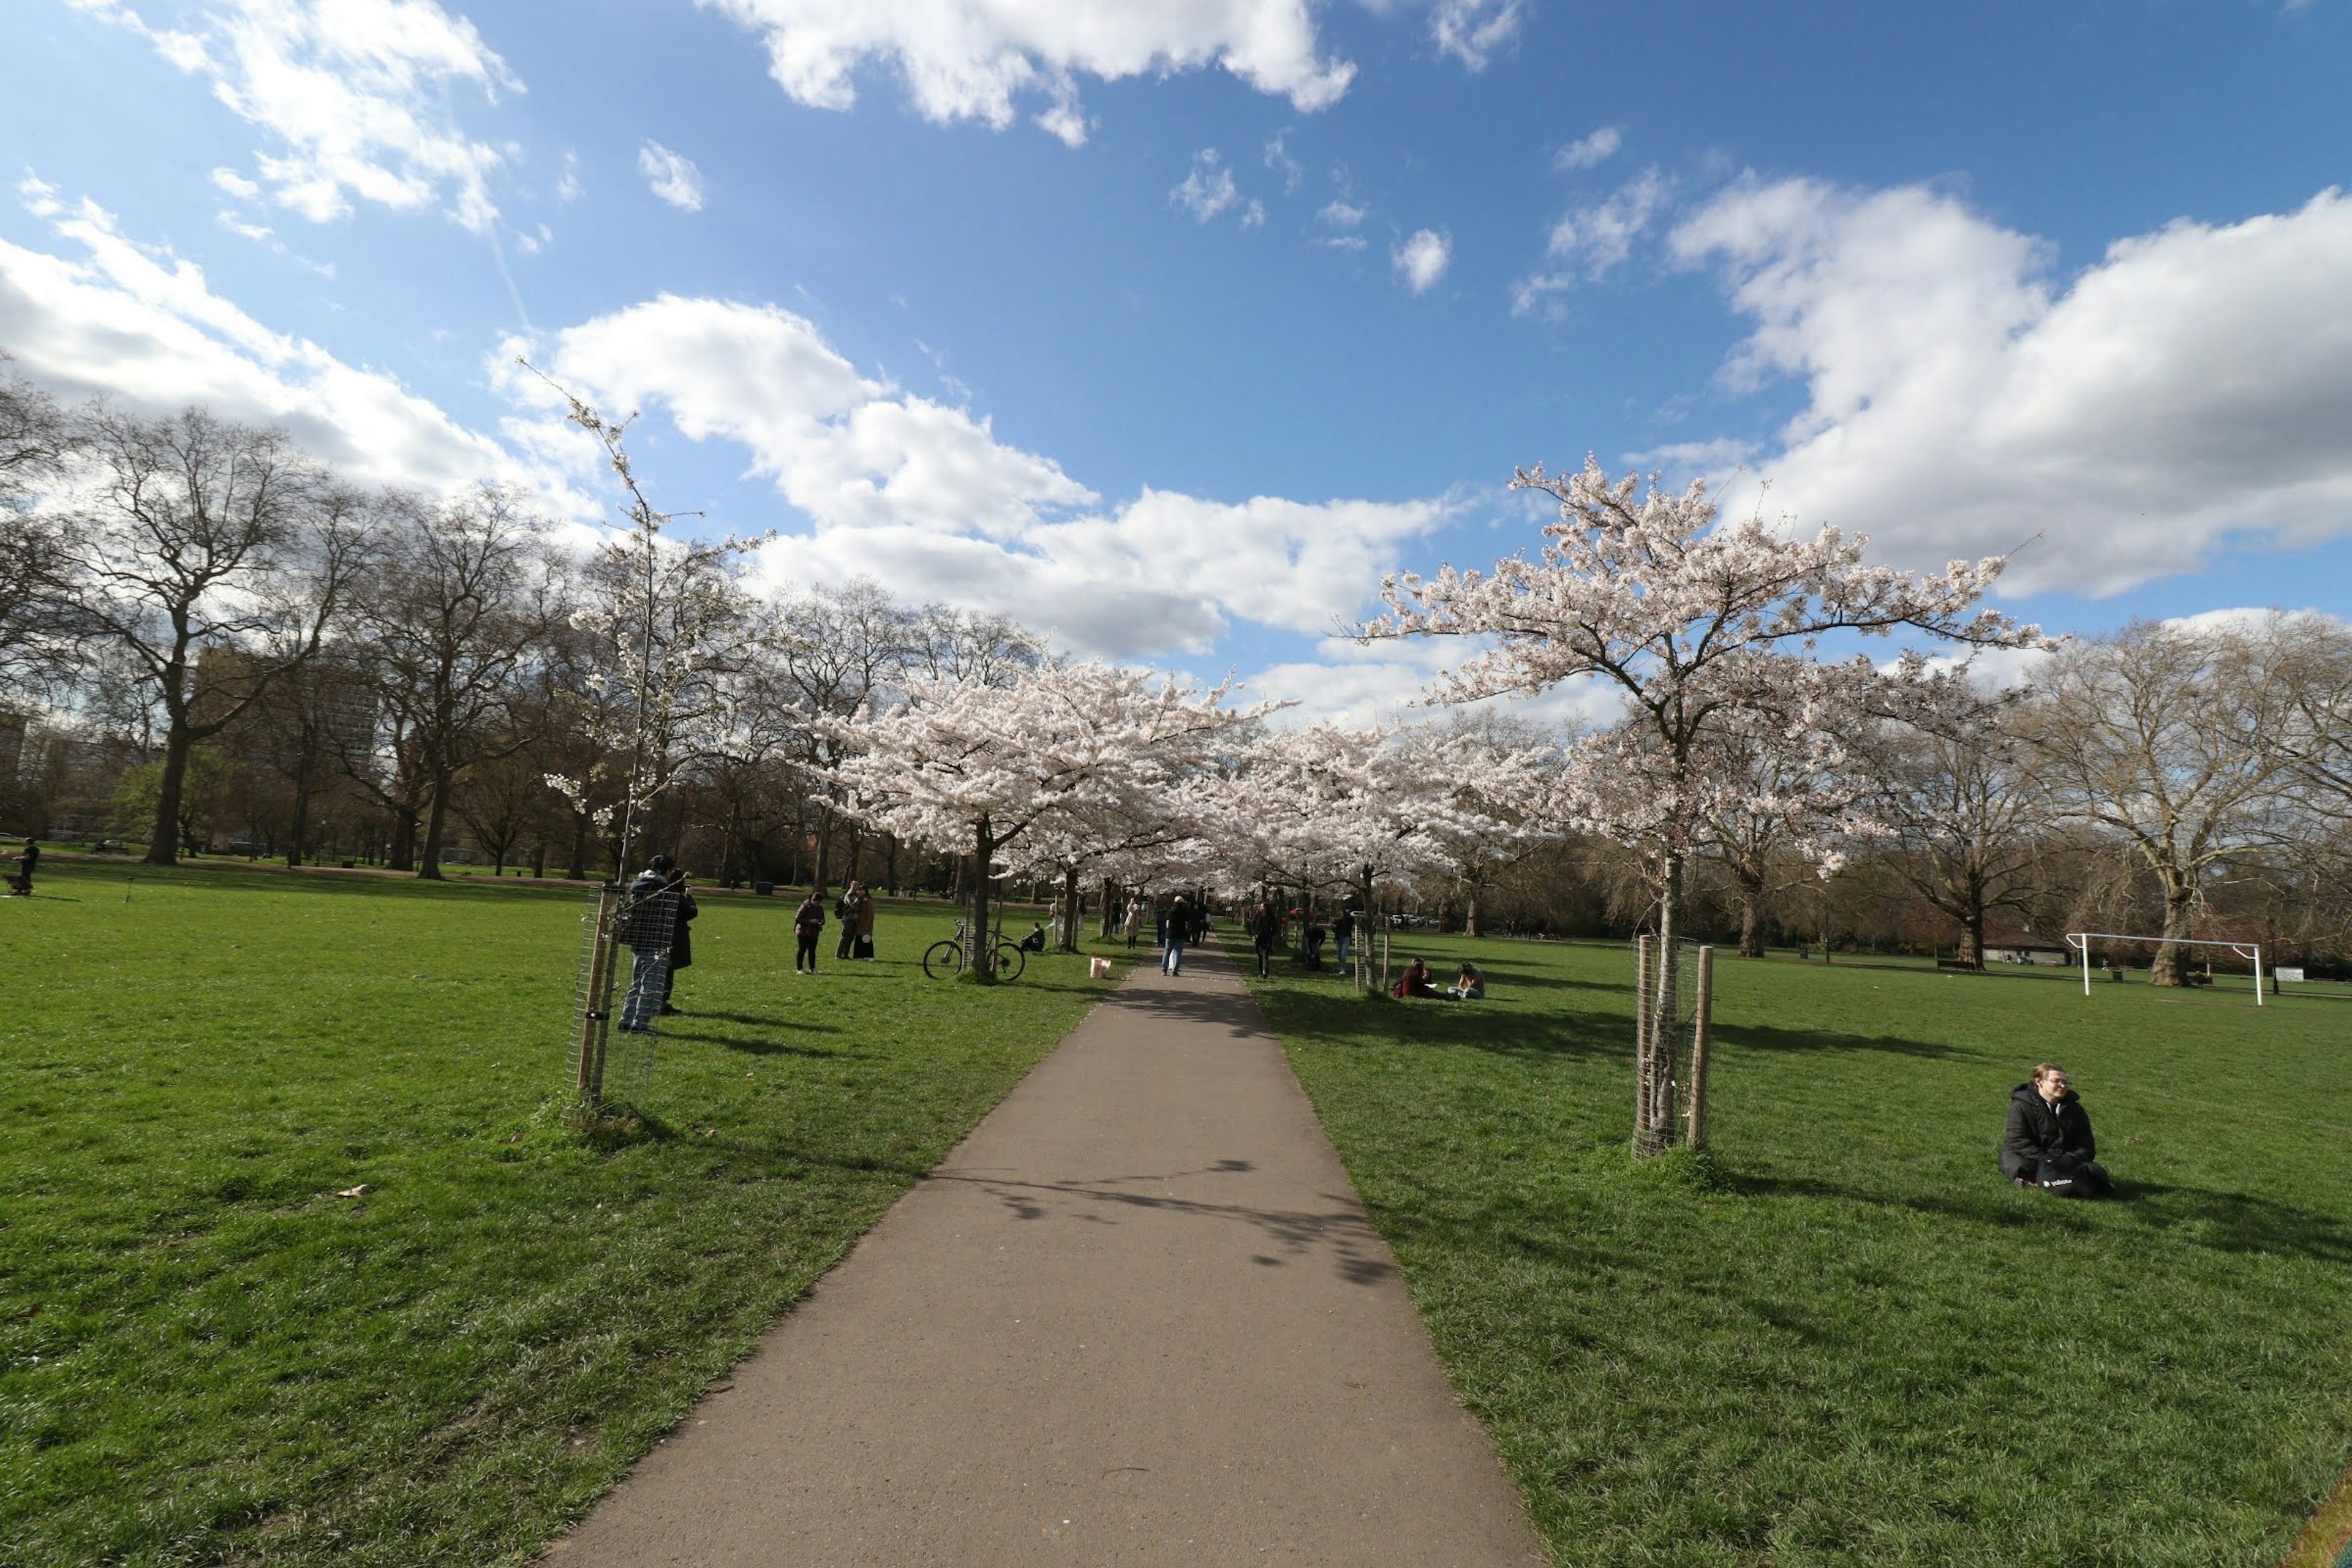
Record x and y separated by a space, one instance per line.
1694 622
982 763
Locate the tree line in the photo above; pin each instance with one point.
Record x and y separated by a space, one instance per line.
208 640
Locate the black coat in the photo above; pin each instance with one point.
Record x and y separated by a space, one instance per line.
2039 1130
1267 929
681 941
648 920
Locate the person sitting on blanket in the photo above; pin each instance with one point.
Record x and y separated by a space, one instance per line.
1469 986
1035 940
2049 1142
1415 981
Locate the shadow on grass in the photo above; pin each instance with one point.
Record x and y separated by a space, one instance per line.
2225 1222
1763 1037
752 1045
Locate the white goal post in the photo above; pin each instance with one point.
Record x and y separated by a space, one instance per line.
2082 940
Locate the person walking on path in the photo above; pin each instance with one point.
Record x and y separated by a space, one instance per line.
681 945
808 922
1134 918
648 927
1173 929
1265 930
28 862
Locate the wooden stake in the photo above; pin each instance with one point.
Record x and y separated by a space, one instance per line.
1701 1027
592 1020
1641 1034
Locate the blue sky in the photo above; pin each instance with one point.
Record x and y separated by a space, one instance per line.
1172 326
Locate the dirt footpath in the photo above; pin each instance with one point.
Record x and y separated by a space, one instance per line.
1138 1317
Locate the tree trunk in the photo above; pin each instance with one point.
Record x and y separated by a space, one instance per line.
539 858
1971 955
983 948
577 870
1110 902
300 830
1751 922
436 825
164 840
2180 901
1068 935
1470 912
1653 1127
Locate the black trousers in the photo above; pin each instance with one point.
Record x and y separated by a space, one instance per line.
804 956
1265 959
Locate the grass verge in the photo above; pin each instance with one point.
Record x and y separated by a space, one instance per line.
209 1354
1840 1338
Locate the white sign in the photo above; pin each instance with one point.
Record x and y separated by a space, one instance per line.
2287 974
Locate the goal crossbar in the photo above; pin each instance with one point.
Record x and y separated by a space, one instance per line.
2080 941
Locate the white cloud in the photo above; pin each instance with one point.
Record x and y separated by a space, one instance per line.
972 59
1472 30
928 499
357 93
1586 245
1590 151
144 328
1254 214
236 184
1278 159
1209 189
670 175
567 184
239 227
1421 260
1342 213
2188 386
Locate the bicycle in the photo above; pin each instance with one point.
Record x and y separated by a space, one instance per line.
948 957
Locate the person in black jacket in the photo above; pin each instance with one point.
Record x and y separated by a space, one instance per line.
807 921
2049 1142
681 943
648 926
1265 930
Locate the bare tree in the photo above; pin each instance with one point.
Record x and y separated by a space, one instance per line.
200 535
2160 734
1959 789
37 439
454 629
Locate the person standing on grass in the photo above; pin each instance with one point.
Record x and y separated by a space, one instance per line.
1265 930
27 862
681 945
2049 1142
1343 932
808 923
864 947
648 926
845 909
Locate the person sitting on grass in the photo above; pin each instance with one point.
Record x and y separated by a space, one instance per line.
1469 986
2049 1142
1415 981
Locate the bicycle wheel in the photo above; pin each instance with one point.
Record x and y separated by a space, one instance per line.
942 959
1010 960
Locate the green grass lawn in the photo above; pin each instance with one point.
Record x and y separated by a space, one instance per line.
206 1356
1849 1339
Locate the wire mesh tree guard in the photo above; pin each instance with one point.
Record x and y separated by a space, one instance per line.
1673 1005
